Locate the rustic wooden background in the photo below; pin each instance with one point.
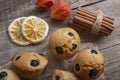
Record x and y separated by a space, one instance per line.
109 46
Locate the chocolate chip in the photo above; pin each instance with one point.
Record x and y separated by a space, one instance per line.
70 34
74 46
35 63
77 67
94 51
59 50
57 77
93 72
18 58
3 74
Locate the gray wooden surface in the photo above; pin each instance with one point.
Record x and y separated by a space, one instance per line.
109 46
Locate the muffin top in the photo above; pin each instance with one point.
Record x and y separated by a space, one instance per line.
64 43
29 61
62 75
90 57
7 74
89 64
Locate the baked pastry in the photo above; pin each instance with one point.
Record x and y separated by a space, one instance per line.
62 75
7 74
89 64
64 43
29 65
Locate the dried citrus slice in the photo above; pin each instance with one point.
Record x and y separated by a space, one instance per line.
34 29
14 31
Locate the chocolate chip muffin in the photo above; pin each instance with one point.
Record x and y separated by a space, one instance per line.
89 64
7 74
62 75
29 65
64 43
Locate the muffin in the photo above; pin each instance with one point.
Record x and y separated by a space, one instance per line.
64 43
7 74
62 75
29 65
89 64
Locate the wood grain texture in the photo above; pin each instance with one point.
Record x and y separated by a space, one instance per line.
12 9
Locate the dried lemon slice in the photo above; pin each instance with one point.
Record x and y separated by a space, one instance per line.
14 31
34 29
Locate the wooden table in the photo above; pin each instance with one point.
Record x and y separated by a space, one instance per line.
109 46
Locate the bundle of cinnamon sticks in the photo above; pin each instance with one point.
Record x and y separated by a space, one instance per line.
85 20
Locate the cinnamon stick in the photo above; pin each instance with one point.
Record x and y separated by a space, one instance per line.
93 17
94 14
76 25
89 26
85 20
91 20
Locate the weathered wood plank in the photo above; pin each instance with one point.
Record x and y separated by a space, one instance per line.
112 68
11 9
